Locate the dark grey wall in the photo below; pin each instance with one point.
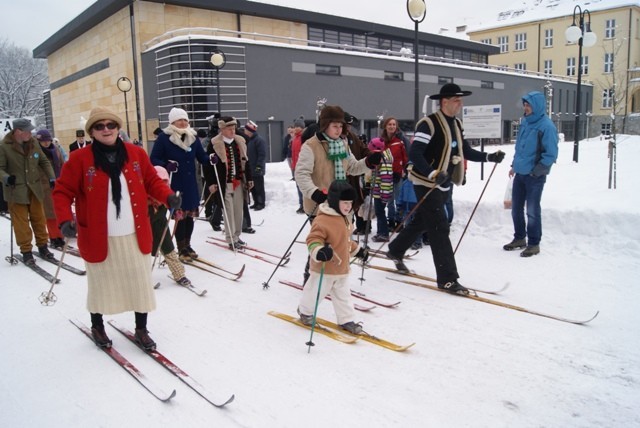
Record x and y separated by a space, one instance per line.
275 90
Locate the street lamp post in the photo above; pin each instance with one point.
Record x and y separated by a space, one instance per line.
584 36
218 61
417 10
124 85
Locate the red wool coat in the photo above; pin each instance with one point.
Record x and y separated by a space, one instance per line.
80 182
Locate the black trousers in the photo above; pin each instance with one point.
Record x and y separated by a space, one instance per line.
257 192
430 217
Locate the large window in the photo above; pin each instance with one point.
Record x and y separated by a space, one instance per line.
344 38
609 28
328 70
607 98
548 37
521 66
503 43
571 66
608 63
585 65
521 41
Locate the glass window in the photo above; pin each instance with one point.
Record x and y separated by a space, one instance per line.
548 66
503 43
607 98
521 41
330 70
398 76
521 66
608 63
548 37
486 84
571 66
609 28
442 80
486 41
585 65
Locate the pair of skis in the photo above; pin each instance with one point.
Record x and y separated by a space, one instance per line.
499 303
208 266
332 330
44 273
200 292
147 383
254 252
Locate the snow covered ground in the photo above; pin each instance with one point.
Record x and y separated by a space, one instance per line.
473 364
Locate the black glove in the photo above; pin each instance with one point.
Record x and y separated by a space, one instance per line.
213 158
324 254
441 177
174 201
68 229
258 171
318 196
496 157
11 180
363 254
172 166
374 159
52 183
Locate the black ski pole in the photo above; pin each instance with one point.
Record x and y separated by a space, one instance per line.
315 310
164 233
367 224
408 215
476 207
48 298
265 285
12 260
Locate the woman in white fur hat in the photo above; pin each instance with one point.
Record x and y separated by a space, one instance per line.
176 149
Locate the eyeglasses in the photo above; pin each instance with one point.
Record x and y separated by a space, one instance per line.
101 126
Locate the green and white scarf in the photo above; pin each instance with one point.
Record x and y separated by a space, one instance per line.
337 153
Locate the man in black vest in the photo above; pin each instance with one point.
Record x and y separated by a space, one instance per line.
437 154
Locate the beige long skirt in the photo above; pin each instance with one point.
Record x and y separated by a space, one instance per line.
122 282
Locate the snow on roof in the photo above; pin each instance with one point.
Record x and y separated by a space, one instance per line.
538 10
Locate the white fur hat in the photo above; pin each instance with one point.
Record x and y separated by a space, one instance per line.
177 114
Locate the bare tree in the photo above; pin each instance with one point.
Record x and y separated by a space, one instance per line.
614 95
22 81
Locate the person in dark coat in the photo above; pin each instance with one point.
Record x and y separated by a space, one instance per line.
177 149
21 164
257 151
80 142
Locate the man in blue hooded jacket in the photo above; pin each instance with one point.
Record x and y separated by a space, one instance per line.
536 151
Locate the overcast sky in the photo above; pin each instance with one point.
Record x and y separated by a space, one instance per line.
28 23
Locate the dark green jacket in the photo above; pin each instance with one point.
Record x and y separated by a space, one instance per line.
25 161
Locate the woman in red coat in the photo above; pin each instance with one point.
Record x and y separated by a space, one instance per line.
109 182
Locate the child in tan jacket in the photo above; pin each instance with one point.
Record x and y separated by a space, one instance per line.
330 246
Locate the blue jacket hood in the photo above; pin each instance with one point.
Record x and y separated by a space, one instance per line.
538 105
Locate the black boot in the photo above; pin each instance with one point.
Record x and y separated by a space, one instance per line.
142 337
45 253
100 337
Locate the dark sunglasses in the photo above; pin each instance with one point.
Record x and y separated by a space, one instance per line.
101 126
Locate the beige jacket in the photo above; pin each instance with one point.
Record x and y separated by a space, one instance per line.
315 171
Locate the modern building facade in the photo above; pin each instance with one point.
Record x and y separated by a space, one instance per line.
533 40
277 63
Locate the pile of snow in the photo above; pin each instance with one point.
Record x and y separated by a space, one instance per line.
473 364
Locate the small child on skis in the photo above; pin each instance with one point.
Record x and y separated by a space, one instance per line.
330 248
158 218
